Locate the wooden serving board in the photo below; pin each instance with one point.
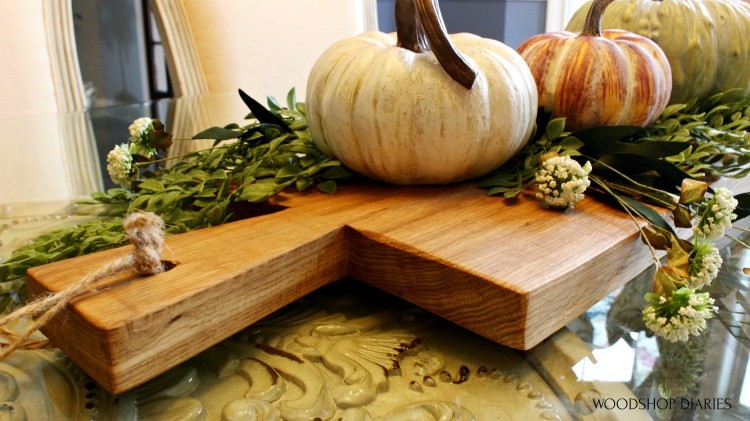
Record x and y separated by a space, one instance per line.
514 273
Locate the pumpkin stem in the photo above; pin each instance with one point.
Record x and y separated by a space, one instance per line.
409 31
593 25
420 27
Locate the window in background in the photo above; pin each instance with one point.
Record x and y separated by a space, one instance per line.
122 56
158 78
111 51
559 13
509 21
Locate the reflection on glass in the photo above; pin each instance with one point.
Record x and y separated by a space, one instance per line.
705 378
745 390
48 157
612 364
680 366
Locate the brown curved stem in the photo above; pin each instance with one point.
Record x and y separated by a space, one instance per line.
593 25
419 26
408 29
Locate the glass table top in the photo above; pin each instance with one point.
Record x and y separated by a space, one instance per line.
349 351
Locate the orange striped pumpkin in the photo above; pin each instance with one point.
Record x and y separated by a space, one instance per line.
706 41
599 78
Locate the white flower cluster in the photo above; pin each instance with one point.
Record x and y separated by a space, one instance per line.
705 262
562 181
680 316
120 159
139 128
717 216
120 165
139 140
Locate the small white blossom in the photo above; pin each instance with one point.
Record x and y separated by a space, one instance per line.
120 165
140 127
139 137
705 262
679 316
717 216
562 181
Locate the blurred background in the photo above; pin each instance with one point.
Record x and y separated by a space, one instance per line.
122 58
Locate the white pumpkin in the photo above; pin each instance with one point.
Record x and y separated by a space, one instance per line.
394 114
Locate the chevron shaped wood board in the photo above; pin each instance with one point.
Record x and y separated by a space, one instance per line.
514 273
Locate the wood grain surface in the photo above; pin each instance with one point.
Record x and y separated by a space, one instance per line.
512 272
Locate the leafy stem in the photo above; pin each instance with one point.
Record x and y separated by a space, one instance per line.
171 158
738 241
655 199
202 189
741 228
629 210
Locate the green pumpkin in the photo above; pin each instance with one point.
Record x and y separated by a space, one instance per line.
707 42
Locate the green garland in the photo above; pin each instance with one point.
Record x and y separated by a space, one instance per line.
273 152
662 164
701 139
714 131
520 171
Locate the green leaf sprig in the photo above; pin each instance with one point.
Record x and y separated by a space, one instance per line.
647 164
248 163
272 153
96 235
714 131
658 165
520 171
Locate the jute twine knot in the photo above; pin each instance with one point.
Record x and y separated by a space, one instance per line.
144 230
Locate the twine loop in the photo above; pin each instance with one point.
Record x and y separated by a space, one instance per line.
146 232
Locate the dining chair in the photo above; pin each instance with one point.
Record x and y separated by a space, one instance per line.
261 46
39 79
39 70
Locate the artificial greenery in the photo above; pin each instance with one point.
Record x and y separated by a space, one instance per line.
89 237
658 164
65 243
688 141
273 152
714 130
667 164
520 171
709 138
